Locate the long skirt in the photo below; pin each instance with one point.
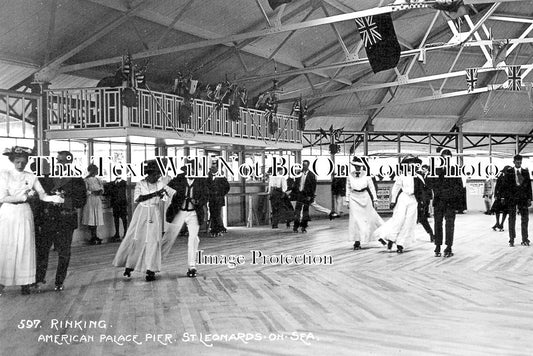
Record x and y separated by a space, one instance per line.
141 247
17 245
282 210
364 219
93 211
400 228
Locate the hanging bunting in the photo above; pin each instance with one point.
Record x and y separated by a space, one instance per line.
453 9
471 79
275 3
514 78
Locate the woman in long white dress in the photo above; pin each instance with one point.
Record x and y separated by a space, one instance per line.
400 228
140 249
93 211
361 197
17 231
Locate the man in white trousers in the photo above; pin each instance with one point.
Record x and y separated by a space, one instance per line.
187 207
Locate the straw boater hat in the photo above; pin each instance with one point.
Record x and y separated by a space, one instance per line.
356 161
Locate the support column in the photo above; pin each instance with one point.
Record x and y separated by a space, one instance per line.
490 148
128 180
459 142
160 147
41 120
242 160
365 143
90 150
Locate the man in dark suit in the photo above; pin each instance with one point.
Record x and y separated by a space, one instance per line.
423 197
516 194
304 192
65 221
187 207
218 188
446 201
118 200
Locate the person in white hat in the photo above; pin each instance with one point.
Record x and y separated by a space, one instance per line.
361 197
399 229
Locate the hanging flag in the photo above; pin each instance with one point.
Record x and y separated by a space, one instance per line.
379 38
514 78
471 79
275 3
193 86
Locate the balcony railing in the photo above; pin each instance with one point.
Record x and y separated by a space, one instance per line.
80 108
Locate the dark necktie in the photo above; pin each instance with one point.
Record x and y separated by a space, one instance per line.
519 177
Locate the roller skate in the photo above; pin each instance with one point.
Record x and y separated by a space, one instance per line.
191 272
511 243
399 249
389 244
525 243
95 241
150 276
437 251
127 272
448 252
357 245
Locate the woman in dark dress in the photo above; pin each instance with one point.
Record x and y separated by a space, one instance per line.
498 207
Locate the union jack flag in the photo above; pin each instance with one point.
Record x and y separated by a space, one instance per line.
514 78
471 79
369 30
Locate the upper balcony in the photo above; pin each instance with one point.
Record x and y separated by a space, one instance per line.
86 113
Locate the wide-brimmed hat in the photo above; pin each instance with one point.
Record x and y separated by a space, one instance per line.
410 159
356 161
17 151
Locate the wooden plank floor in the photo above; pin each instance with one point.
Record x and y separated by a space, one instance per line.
479 302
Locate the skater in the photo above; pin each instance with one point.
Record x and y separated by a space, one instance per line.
399 229
361 197
304 191
93 211
281 206
498 207
424 199
516 194
17 231
140 249
488 189
187 207
338 190
218 188
447 199
116 191
74 192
